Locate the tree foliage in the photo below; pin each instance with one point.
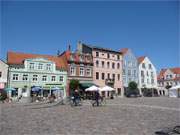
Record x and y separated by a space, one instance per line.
132 89
74 84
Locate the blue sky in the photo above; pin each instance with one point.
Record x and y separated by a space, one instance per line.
148 28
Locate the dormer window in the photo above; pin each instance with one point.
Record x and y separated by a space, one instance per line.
40 66
31 65
48 67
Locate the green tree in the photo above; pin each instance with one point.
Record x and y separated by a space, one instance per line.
132 88
74 84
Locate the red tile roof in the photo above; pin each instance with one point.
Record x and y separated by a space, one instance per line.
174 70
140 59
124 50
18 58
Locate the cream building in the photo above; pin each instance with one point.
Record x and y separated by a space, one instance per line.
3 74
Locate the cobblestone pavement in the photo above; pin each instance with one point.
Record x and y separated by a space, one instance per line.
121 116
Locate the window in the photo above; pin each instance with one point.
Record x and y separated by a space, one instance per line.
40 66
102 76
35 77
53 78
152 75
31 65
88 72
97 54
108 75
0 74
118 66
150 67
129 72
147 73
102 64
143 65
97 63
72 70
142 73
113 65
118 77
97 75
152 81
15 76
134 73
81 71
108 55
48 67
113 76
142 80
61 78
44 78
118 57
108 65
25 77
170 76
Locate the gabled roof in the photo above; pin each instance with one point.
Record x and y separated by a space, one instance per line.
140 59
18 58
161 74
174 70
124 50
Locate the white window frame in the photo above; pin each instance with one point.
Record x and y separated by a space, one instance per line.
25 77
48 67
61 78
31 65
44 78
53 78
15 77
35 79
40 66
81 71
72 71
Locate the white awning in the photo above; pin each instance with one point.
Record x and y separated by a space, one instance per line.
92 88
107 88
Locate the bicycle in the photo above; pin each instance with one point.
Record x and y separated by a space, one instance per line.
101 100
72 102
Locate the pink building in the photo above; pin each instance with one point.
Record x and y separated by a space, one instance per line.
107 69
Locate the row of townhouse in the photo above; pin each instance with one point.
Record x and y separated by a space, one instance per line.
91 65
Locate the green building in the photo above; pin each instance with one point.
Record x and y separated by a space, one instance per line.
29 72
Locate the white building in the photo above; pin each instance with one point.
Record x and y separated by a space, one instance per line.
147 74
168 78
3 74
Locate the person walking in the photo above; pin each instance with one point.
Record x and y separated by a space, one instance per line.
97 96
76 97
